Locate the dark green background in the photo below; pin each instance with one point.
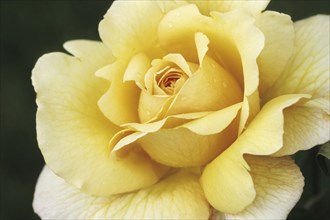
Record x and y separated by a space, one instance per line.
32 28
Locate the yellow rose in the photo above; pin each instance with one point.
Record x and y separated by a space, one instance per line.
185 110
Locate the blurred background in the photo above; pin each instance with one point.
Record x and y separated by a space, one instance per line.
31 28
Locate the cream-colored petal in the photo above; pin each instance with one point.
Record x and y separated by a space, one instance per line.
226 182
235 41
278 183
207 6
93 52
136 69
308 71
304 128
279 45
181 147
168 122
120 103
130 27
74 135
250 108
151 106
207 90
201 41
201 123
179 60
178 196
214 122
135 131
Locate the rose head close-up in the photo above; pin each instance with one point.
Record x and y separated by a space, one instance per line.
183 110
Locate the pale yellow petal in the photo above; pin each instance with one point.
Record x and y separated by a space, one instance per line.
135 131
235 41
178 196
169 121
153 107
93 52
226 181
179 60
250 108
214 122
201 123
308 71
74 135
207 6
136 69
130 27
181 147
120 103
278 183
279 45
201 41
304 128
209 85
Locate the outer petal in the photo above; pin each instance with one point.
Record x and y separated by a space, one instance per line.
278 183
226 182
73 134
208 6
308 71
179 196
307 125
304 128
130 27
92 52
279 34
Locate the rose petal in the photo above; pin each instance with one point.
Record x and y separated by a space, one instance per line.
130 27
226 182
308 71
304 128
152 107
206 90
92 52
120 103
136 69
178 196
214 122
279 34
199 123
207 6
250 108
201 41
73 134
278 183
234 40
179 60
181 147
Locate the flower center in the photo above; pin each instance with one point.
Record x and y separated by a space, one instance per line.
170 79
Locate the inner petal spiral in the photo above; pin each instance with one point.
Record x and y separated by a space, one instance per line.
171 79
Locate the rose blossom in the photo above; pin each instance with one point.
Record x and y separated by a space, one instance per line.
185 110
